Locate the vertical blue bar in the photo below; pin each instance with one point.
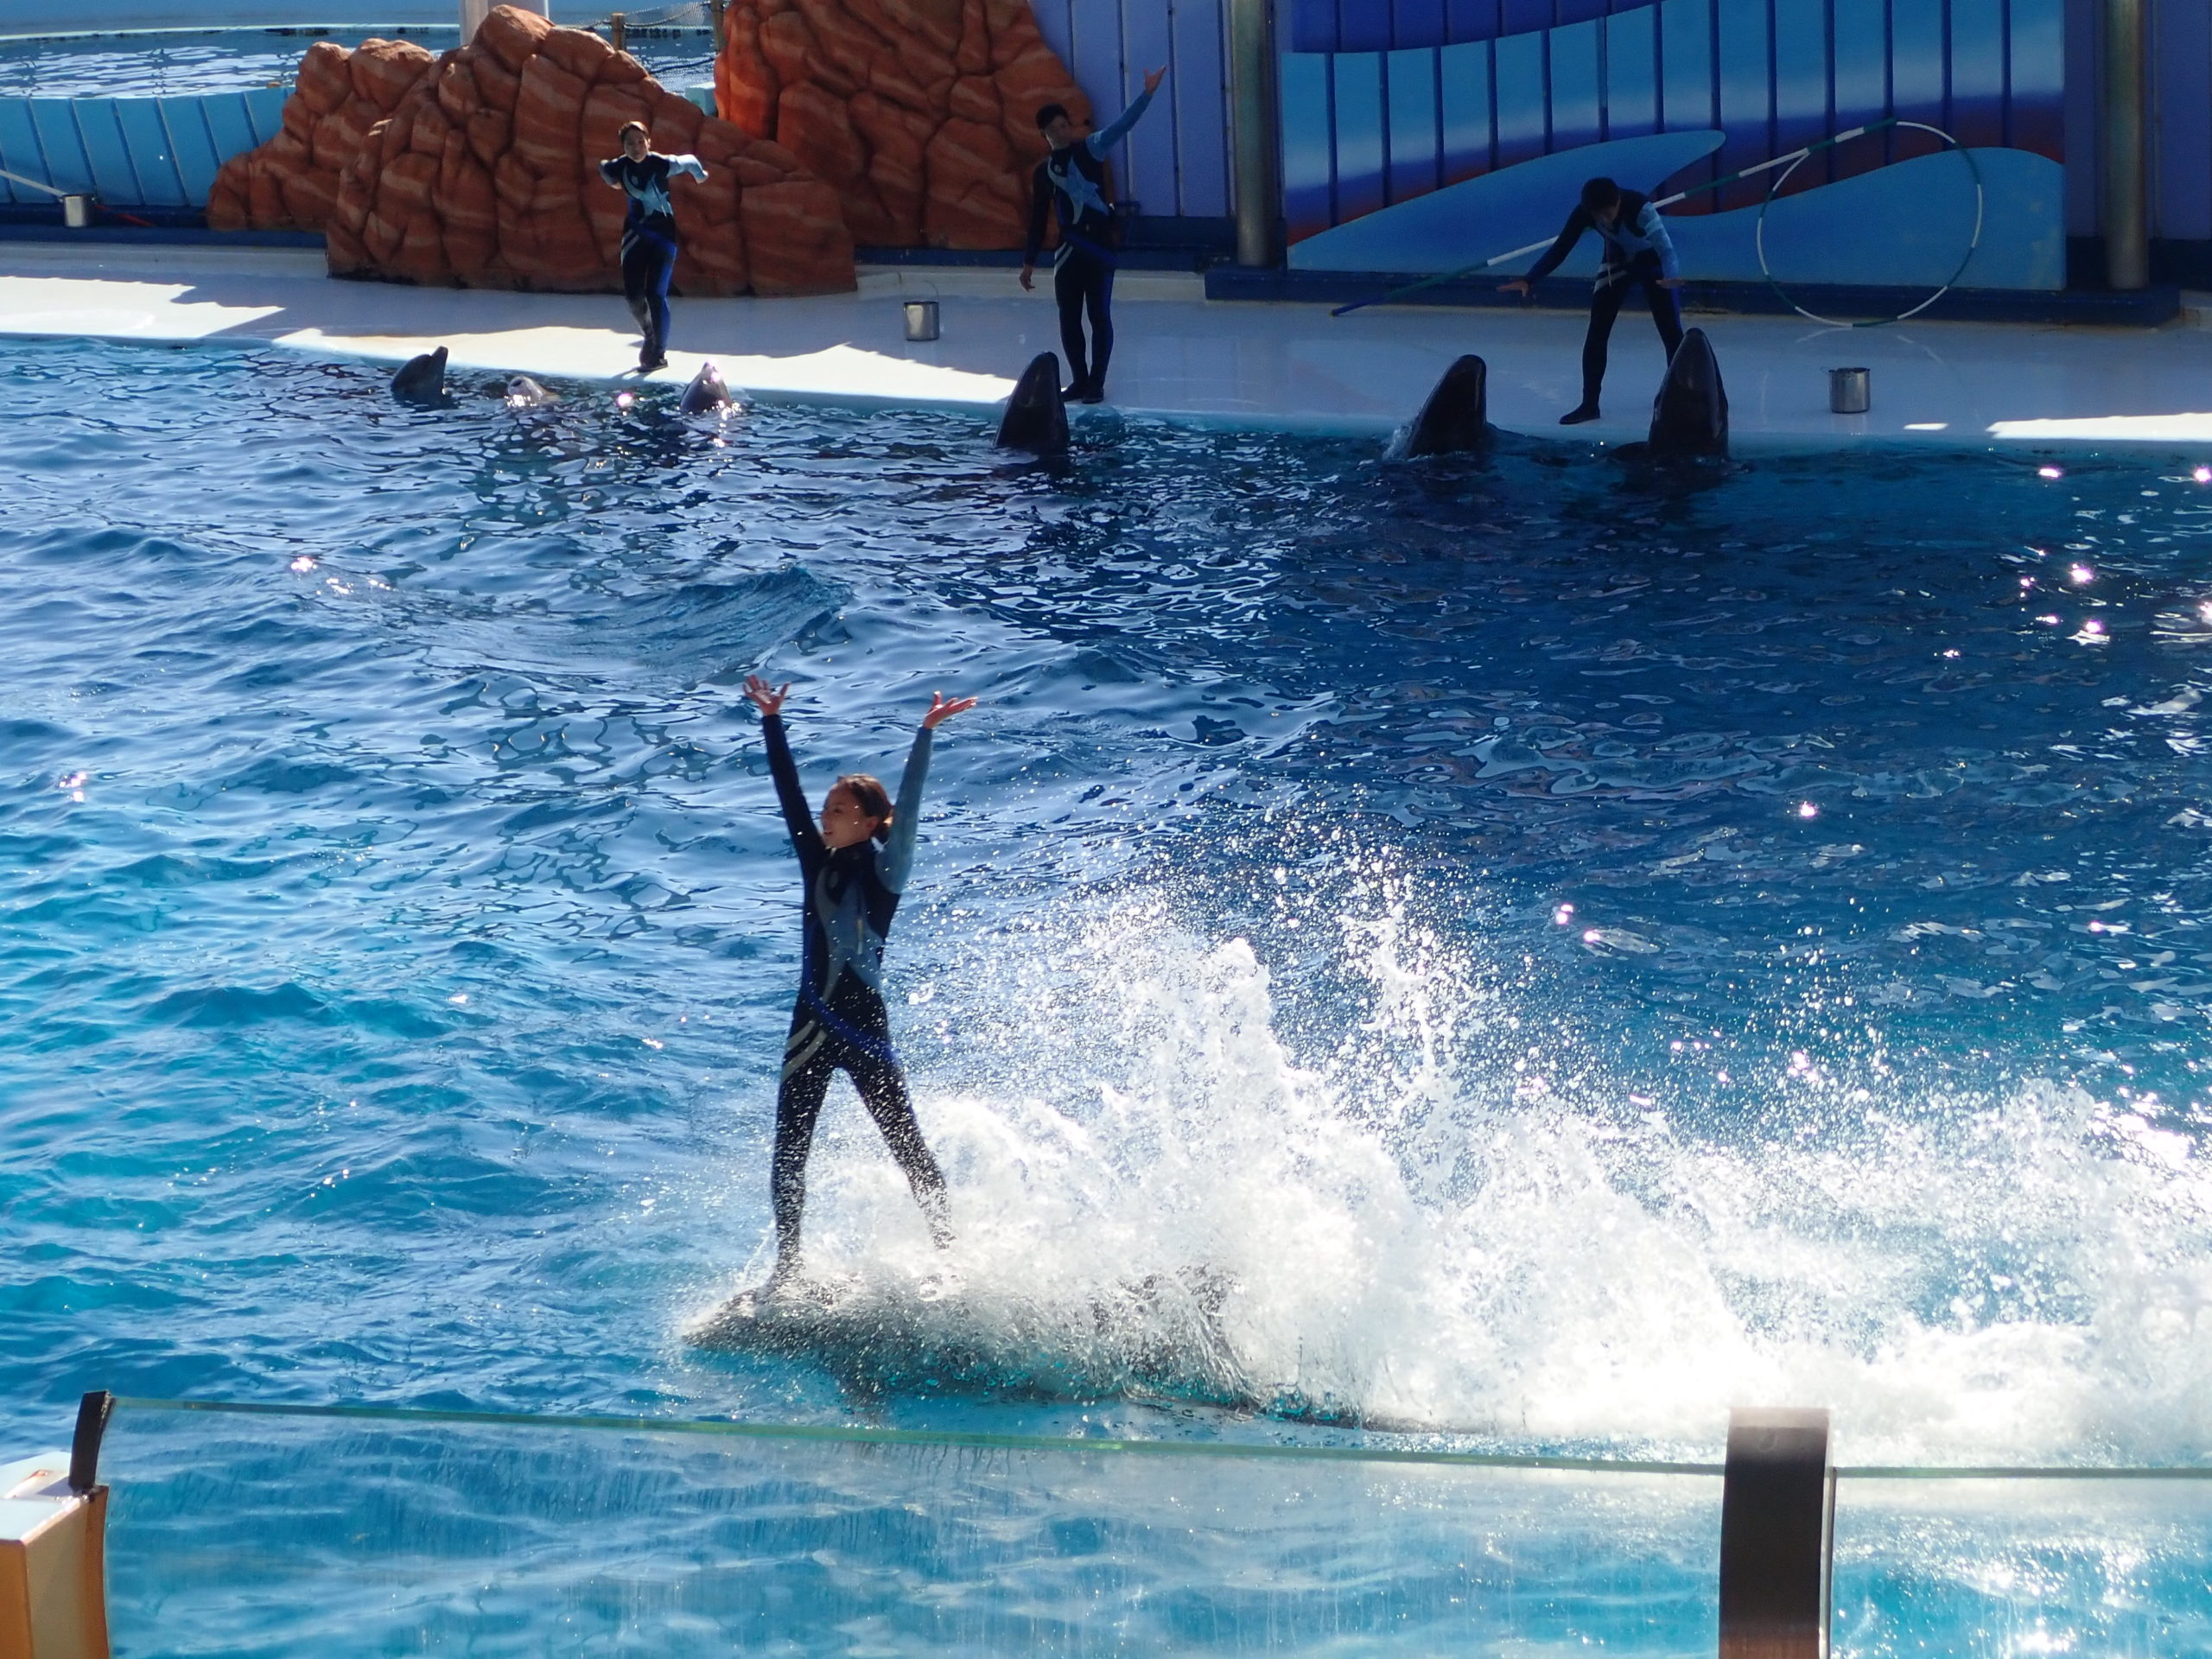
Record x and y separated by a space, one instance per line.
1522 16
1977 46
1357 83
1685 84
227 125
2181 47
1095 48
19 152
1632 74
1200 92
1470 20
1416 24
1145 169
1415 162
1916 74
1862 81
153 158
66 168
1800 85
1302 91
1312 26
113 178
2039 69
1363 25
1522 127
1576 92
196 160
1463 73
1742 39
264 107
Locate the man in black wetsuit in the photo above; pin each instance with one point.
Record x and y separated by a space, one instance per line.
1073 177
855 864
1638 252
648 233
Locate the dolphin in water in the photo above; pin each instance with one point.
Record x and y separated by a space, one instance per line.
1036 419
1455 420
707 393
421 379
1689 418
523 392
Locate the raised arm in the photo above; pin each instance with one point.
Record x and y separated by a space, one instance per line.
896 859
806 839
689 164
1106 137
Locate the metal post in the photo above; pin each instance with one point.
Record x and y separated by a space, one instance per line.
1252 138
2125 206
1777 1523
715 10
617 33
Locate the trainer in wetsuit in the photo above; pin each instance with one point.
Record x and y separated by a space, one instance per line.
1074 177
1638 251
648 233
855 866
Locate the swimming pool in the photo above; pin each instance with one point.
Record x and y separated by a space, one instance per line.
1570 949
171 62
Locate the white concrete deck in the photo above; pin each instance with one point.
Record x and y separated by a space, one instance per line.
1236 365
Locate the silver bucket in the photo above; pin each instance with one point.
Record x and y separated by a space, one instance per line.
921 319
76 212
1850 391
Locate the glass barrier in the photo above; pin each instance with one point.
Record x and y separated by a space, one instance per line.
271 1536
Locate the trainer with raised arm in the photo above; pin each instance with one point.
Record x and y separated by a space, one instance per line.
1073 177
648 233
1638 252
854 864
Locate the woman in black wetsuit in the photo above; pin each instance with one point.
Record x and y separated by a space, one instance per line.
855 866
648 233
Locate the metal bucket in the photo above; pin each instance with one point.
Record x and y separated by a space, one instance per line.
76 212
1849 391
921 319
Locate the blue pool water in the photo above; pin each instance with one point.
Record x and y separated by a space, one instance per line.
1555 951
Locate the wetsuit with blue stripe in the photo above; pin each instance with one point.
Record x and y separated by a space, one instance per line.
649 241
1073 177
840 1024
1638 251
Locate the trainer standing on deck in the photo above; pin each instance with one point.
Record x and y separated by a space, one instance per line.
1637 252
648 233
1074 175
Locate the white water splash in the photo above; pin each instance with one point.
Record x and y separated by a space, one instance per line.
1155 1197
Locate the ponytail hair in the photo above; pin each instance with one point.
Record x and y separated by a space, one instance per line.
873 799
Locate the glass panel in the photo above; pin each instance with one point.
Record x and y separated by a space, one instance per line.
283 1537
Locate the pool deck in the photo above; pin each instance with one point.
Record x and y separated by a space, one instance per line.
1223 364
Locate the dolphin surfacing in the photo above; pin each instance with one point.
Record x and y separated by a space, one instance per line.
1455 420
1689 418
421 379
1035 418
707 393
523 392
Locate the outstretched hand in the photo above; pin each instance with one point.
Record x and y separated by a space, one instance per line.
768 699
1152 81
943 708
1518 285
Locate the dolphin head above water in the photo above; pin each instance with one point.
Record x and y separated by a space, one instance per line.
1036 418
523 392
421 379
708 392
1690 414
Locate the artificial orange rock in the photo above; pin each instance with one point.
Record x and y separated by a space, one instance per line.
484 173
921 114
290 184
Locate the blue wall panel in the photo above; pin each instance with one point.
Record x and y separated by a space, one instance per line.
1409 83
1577 87
1686 92
152 157
1743 32
1801 87
264 108
113 177
1145 166
1632 74
19 151
1198 87
1462 80
1518 88
197 159
1355 90
1861 78
1978 72
67 168
1918 75
226 123
1302 95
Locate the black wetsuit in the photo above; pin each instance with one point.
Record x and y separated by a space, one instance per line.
840 1023
649 242
1074 177
1638 251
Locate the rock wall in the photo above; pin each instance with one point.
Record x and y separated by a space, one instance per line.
921 114
484 174
291 183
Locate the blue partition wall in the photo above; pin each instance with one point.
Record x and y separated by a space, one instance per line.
130 152
1387 101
